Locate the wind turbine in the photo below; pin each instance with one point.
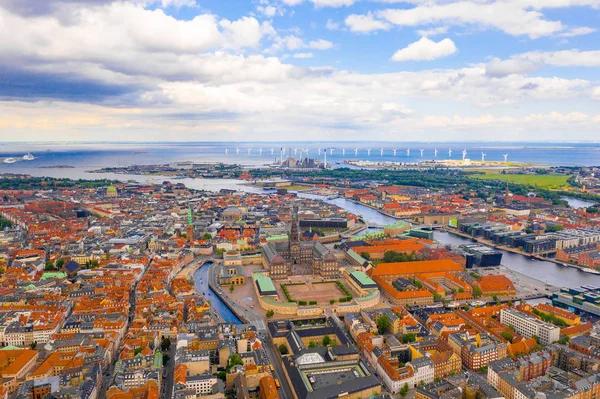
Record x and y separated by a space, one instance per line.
237 150
356 152
505 157
421 152
272 149
343 151
483 157
381 152
331 151
395 149
450 152
249 150
435 153
226 151
368 152
464 154
408 152
318 149
295 151
260 150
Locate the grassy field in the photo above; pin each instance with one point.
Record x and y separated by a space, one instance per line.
545 181
295 188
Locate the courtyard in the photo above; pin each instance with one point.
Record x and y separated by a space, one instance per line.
321 292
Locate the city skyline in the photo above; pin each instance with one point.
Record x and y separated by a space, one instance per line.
293 70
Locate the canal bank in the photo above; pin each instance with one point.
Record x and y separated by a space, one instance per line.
543 270
203 286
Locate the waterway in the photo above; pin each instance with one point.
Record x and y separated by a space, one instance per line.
201 284
577 203
548 272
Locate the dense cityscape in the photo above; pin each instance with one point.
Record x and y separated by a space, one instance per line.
299 199
279 289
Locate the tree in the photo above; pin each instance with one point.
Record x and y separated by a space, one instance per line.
326 340
137 351
312 344
60 263
404 390
231 288
283 349
165 344
477 291
331 301
270 313
383 324
33 345
437 297
49 266
235 360
506 335
409 337
207 236
495 298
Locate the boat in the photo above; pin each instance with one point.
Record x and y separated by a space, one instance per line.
28 157
10 160
592 271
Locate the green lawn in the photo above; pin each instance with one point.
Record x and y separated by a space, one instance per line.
545 181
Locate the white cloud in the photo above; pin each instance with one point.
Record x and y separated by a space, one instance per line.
320 44
533 60
501 68
322 3
572 32
333 3
268 11
303 55
512 17
209 67
425 50
596 93
558 117
440 30
332 25
365 23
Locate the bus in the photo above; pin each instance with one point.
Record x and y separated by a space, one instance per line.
277 384
271 368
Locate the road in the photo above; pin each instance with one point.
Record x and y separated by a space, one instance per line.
255 319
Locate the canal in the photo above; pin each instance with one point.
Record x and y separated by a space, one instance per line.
548 272
201 284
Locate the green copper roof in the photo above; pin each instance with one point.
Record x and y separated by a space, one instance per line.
362 278
264 283
48 275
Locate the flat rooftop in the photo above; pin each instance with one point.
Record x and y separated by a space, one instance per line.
326 379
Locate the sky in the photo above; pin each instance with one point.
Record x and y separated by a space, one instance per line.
300 70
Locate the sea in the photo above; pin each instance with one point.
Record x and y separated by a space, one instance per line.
83 157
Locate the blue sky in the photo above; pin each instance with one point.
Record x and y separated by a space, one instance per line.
186 70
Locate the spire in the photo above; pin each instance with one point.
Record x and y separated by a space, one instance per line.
294 237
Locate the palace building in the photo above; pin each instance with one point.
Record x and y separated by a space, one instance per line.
295 257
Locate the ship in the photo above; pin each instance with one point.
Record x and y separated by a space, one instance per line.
28 157
10 160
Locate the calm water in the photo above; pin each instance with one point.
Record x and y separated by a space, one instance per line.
577 203
96 155
201 284
548 272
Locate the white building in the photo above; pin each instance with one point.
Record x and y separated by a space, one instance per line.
202 384
528 326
